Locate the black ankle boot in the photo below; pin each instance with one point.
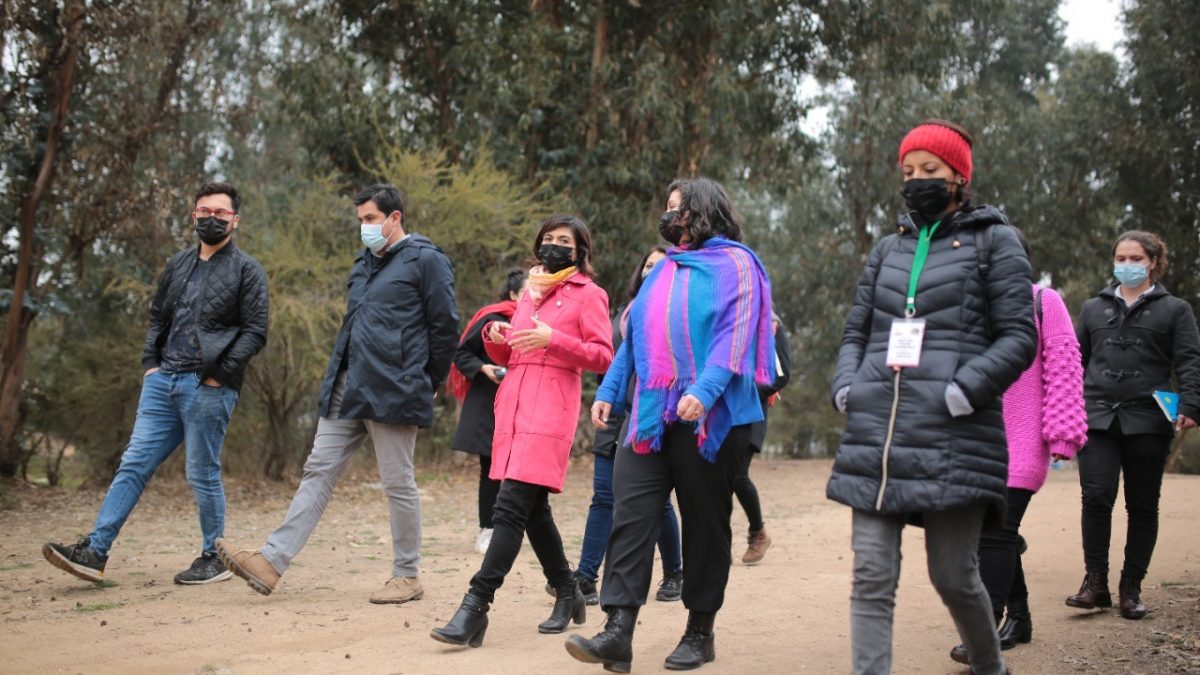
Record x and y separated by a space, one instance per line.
1018 626
1130 593
696 646
469 624
569 604
613 647
1093 592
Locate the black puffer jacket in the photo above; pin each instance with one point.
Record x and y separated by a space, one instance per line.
398 336
232 324
1129 353
903 452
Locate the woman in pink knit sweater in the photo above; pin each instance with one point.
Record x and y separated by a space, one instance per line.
1044 419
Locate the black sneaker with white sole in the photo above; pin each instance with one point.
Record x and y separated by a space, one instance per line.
670 588
79 559
206 569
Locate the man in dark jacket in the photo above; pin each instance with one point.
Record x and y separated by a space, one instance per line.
207 319
393 351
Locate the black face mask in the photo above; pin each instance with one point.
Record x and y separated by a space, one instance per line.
556 258
212 230
669 228
929 197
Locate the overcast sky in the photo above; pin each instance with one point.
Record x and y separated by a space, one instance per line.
1094 21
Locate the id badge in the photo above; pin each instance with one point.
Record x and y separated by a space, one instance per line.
904 343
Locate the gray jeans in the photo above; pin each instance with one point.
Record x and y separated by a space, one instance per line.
951 547
336 442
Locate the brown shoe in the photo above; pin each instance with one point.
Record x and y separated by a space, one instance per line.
249 565
398 590
759 541
1130 592
1093 592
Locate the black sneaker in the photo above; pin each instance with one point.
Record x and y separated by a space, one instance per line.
79 559
206 569
588 588
670 588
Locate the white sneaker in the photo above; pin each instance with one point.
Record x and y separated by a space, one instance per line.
483 540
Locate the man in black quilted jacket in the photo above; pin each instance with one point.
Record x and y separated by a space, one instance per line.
207 319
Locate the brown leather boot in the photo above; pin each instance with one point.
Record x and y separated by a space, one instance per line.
1130 592
1092 593
759 541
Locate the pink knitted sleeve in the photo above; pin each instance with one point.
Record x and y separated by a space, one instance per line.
1064 419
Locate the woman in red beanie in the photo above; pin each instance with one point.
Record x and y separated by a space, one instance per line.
942 324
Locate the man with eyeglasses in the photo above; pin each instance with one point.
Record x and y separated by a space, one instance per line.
392 353
207 319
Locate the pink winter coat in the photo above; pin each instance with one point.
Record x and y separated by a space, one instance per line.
1043 409
537 406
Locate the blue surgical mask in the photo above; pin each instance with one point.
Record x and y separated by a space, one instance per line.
1130 275
372 236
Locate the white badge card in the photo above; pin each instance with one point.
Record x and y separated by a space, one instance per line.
904 344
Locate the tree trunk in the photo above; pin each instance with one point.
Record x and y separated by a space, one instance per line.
16 327
599 54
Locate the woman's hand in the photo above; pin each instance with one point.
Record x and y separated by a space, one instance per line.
1184 422
530 339
1059 458
600 412
496 330
489 371
690 408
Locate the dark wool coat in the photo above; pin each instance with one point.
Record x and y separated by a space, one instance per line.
1130 352
903 452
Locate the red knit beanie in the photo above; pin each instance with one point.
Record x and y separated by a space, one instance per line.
946 143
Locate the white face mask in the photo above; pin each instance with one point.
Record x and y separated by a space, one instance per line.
372 236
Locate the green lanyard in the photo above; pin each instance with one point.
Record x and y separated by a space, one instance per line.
923 241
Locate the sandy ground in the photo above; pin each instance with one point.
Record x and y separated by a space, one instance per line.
787 615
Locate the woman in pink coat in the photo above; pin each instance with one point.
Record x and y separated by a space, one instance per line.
1044 420
560 329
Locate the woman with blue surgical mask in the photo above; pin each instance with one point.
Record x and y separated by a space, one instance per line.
1133 337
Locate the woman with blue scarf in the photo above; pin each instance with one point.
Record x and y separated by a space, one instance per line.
699 342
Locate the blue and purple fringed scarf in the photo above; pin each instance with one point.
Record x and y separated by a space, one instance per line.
711 304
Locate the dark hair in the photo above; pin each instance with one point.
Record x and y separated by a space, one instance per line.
387 198
712 213
956 128
1154 246
635 282
1024 242
513 283
583 239
219 188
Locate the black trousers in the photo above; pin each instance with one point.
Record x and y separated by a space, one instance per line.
1000 558
488 489
522 508
1142 459
745 490
704 489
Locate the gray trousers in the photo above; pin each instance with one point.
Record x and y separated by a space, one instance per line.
951 547
336 442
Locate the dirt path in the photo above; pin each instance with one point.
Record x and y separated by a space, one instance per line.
789 614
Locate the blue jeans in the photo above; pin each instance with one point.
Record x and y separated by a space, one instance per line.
599 524
174 407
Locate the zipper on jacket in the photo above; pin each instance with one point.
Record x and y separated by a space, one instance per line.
887 442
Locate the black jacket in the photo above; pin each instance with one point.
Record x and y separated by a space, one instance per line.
477 420
1130 352
232 323
979 334
783 375
398 336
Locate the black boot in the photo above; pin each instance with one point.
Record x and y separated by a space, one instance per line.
569 604
1018 625
469 624
1130 592
696 647
612 647
1093 592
